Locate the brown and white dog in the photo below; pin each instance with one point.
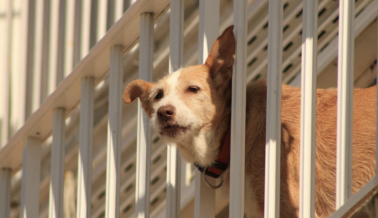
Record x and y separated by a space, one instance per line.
191 108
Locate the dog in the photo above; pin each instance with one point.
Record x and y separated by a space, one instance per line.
191 108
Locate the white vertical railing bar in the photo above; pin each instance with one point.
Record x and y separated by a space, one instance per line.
57 24
31 167
61 40
53 46
84 174
237 161
5 192
77 32
273 111
345 102
45 50
27 65
143 155
176 53
102 18
85 28
4 94
110 13
37 77
114 132
57 163
204 197
69 37
118 9
308 109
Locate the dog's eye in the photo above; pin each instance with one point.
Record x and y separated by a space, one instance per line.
193 89
159 96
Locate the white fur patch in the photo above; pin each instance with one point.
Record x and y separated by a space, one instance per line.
193 144
172 96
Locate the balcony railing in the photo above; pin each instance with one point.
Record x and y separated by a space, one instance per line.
72 94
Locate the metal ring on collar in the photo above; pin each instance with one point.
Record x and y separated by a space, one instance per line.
207 182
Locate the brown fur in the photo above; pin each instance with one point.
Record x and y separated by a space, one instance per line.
210 107
364 121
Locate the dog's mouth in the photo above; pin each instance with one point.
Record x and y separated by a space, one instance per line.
172 129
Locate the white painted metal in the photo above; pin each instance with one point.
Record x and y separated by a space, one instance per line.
37 77
31 168
110 12
28 16
118 9
114 132
57 33
4 83
57 163
85 28
5 192
345 103
176 53
238 118
354 199
125 32
102 18
143 153
69 36
77 32
45 50
53 46
308 109
204 198
84 174
273 113
326 56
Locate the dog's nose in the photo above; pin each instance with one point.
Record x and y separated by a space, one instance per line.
166 112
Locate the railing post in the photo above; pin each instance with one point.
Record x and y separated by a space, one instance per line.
85 28
84 174
143 154
238 119
308 109
57 163
273 113
114 132
31 167
56 53
45 59
102 18
25 90
118 9
4 83
204 198
176 54
345 102
69 37
5 190
77 33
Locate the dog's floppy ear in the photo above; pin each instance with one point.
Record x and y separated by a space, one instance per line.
222 55
139 89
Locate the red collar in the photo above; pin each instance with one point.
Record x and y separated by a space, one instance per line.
221 164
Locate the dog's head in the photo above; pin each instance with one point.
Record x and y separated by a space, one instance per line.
187 106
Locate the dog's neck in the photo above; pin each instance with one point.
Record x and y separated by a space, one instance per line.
221 163
204 148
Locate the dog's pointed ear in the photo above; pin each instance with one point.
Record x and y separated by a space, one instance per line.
222 53
139 89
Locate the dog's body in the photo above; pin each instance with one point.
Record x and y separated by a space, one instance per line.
191 108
